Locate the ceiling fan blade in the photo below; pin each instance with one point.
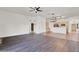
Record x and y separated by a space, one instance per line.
32 8
40 10
38 7
35 11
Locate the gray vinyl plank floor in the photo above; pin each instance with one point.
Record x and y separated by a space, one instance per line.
38 43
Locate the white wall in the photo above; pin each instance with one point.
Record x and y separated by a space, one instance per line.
16 24
12 24
39 23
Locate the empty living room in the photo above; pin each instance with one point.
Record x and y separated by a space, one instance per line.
39 29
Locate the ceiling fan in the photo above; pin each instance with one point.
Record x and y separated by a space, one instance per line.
35 9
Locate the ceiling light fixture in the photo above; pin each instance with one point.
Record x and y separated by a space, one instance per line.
54 18
35 9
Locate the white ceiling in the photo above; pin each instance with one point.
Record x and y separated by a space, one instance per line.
63 11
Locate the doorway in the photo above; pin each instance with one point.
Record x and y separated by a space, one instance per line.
73 27
32 27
